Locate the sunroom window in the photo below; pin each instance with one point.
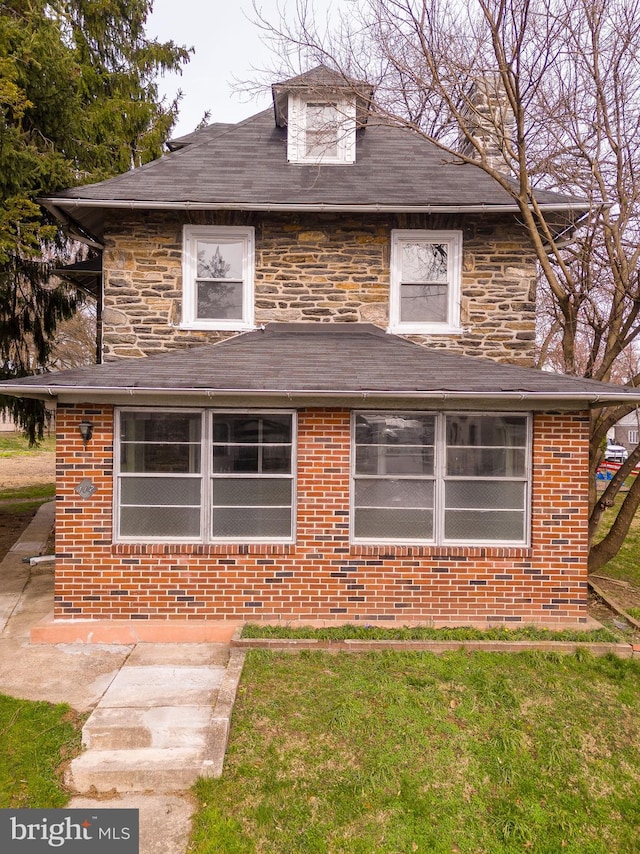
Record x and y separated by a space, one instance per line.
486 482
394 483
160 483
204 476
251 476
440 478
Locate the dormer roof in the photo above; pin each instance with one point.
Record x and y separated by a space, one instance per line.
321 82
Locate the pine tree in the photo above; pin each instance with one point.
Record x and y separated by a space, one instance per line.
78 104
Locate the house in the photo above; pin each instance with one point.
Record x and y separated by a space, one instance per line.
8 424
317 400
626 432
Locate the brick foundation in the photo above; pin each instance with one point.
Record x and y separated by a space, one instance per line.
322 576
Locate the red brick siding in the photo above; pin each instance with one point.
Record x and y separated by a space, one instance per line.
322 576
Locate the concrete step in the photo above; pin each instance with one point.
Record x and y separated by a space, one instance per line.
163 685
138 770
157 726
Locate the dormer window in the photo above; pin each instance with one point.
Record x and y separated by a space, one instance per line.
321 109
321 131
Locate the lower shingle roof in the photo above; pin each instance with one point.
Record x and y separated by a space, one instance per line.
289 361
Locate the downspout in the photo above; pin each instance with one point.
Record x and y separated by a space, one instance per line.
99 308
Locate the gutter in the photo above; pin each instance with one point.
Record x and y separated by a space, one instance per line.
88 393
121 204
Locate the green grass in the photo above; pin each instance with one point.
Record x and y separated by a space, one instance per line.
36 494
13 444
459 633
35 738
412 752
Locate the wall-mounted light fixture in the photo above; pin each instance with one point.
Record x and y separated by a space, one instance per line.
86 431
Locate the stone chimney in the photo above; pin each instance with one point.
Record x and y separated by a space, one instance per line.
489 117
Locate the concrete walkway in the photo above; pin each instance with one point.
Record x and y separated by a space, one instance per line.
159 712
162 722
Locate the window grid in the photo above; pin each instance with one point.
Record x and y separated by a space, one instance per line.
205 479
321 130
441 479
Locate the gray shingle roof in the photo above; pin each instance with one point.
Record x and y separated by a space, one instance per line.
247 164
244 166
200 135
322 77
323 361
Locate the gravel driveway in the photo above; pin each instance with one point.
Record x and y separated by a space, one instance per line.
27 469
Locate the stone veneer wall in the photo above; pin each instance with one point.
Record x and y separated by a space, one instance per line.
321 575
317 268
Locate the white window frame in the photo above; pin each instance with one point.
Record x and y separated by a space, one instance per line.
440 478
634 436
212 233
206 475
453 239
297 129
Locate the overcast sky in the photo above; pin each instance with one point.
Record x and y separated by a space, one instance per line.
226 44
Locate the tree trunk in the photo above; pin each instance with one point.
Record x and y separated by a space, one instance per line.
608 547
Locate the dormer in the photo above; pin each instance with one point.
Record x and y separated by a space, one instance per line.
321 110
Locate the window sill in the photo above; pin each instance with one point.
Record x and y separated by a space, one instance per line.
217 326
435 551
202 548
424 329
322 161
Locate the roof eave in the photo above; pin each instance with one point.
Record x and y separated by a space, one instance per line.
59 207
73 228
298 397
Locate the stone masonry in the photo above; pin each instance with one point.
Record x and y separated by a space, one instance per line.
317 268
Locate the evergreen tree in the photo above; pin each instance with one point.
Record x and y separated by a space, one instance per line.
78 104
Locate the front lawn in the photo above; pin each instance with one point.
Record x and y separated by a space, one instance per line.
35 738
625 566
15 444
412 752
354 631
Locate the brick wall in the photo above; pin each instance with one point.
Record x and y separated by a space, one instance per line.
317 268
322 576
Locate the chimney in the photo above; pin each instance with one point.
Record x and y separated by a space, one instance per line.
489 118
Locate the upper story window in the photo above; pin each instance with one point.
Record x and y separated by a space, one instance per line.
217 276
425 281
321 131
